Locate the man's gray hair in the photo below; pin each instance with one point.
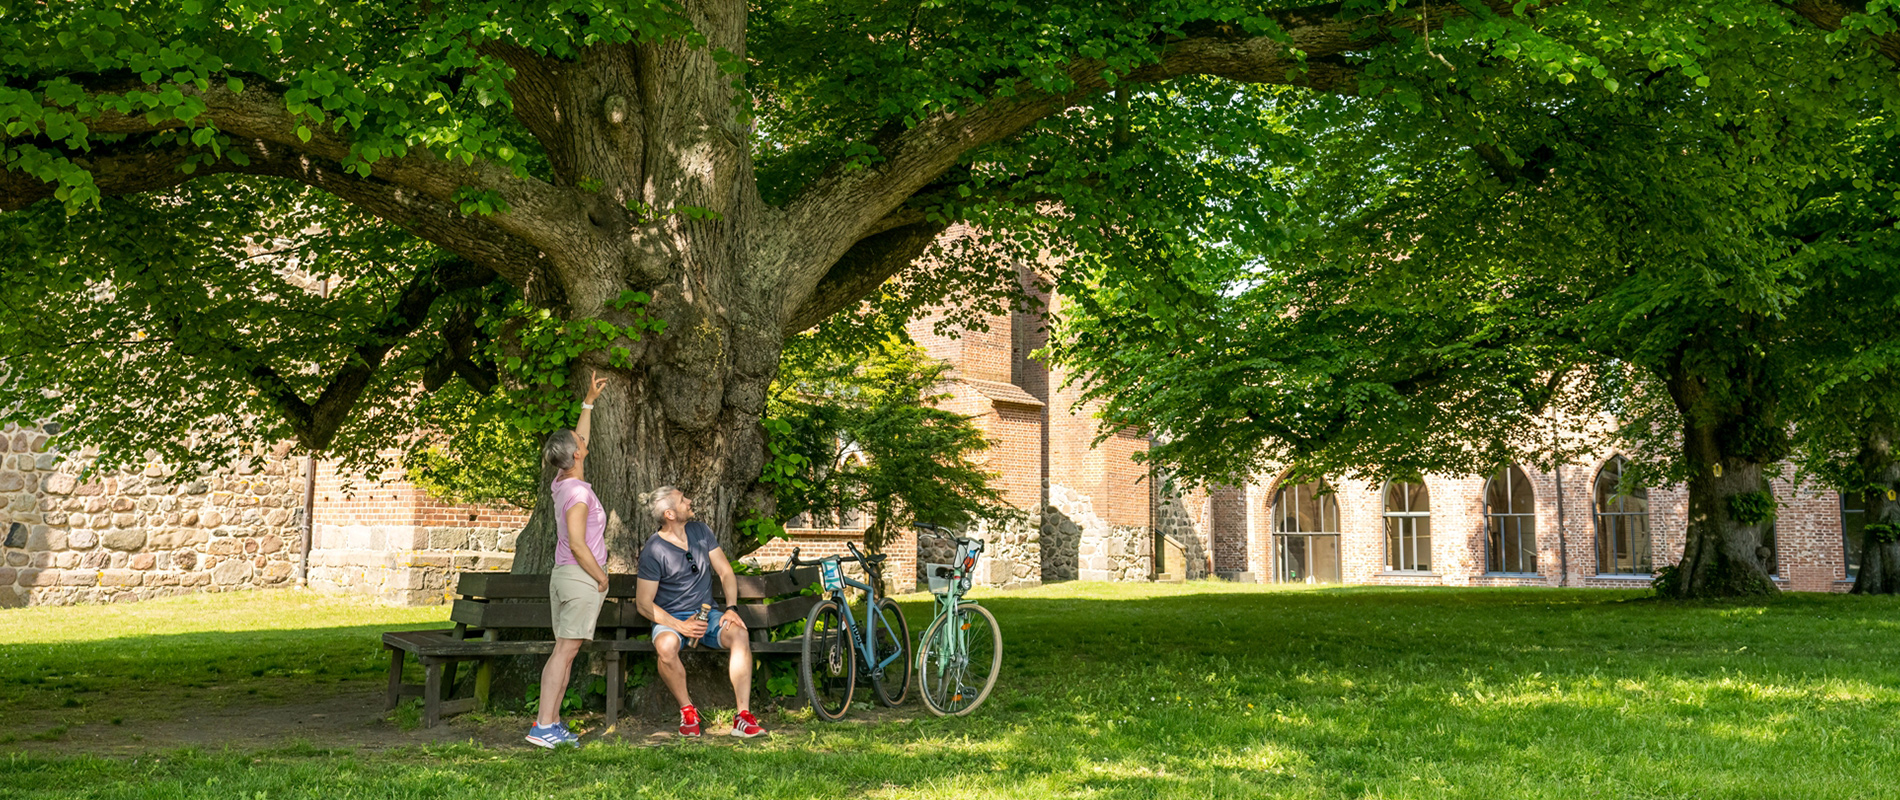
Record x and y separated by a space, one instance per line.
664 498
558 453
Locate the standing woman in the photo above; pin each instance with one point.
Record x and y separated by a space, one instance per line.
578 586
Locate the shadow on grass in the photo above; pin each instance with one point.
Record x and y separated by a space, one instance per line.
118 676
1201 691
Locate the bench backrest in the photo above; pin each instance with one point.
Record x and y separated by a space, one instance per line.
765 601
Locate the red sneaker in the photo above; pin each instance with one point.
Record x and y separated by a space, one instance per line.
689 721
745 725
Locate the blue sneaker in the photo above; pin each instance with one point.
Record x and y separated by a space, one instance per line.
569 736
550 736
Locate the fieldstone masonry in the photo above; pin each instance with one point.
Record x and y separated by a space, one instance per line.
1084 546
135 533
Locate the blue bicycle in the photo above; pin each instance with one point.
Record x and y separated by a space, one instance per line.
837 647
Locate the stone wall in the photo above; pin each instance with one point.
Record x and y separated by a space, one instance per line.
1190 520
1079 544
136 533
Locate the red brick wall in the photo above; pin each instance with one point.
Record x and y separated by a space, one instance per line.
1227 527
900 570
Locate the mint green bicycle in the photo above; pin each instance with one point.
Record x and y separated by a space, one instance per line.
962 650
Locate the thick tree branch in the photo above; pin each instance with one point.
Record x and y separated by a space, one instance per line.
316 423
260 113
133 167
1828 16
843 206
863 268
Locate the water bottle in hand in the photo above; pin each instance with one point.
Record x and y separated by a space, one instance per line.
705 612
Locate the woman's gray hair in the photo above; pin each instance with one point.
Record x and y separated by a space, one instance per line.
558 453
664 498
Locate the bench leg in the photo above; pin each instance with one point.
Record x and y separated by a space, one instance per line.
431 693
395 678
484 678
615 680
448 677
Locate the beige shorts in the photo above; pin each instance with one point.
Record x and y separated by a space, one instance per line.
575 600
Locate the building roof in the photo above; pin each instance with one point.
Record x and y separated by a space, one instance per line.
1000 392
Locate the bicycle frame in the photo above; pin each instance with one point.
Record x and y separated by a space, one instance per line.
952 599
867 643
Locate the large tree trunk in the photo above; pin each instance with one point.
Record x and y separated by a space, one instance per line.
676 216
1725 449
649 138
1879 560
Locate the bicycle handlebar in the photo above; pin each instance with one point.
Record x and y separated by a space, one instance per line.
856 556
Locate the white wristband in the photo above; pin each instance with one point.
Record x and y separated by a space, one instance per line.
587 405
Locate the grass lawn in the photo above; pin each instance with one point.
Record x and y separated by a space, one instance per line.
1108 690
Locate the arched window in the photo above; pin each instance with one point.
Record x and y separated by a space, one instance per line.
1510 522
1622 522
1408 528
1306 533
1853 530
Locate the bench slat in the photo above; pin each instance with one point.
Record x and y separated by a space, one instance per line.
773 584
771 615
520 615
438 644
503 585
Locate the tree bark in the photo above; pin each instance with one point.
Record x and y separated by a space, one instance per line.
1721 556
1879 560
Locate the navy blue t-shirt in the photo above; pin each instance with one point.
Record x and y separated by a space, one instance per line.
684 576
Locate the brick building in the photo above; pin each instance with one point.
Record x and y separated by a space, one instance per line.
1093 514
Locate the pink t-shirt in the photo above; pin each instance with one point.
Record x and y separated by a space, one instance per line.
567 492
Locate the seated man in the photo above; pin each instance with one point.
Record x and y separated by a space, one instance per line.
676 568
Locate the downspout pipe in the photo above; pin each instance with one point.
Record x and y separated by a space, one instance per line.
1563 530
1563 533
309 521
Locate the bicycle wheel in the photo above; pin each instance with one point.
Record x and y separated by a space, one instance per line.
893 636
959 659
827 668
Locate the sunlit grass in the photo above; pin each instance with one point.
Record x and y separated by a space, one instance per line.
1116 690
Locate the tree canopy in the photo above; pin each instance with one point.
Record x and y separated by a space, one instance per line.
1491 280
495 197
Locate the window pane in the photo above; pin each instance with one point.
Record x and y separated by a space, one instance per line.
1395 499
1325 550
1419 501
1293 554
1393 543
1522 499
1607 479
1853 531
1422 544
1637 502
1497 497
1606 544
1510 545
1309 511
1638 527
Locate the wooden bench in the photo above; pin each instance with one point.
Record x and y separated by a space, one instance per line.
490 603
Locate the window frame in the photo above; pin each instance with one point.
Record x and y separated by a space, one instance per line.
1408 521
1492 555
1326 500
1851 554
1618 517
